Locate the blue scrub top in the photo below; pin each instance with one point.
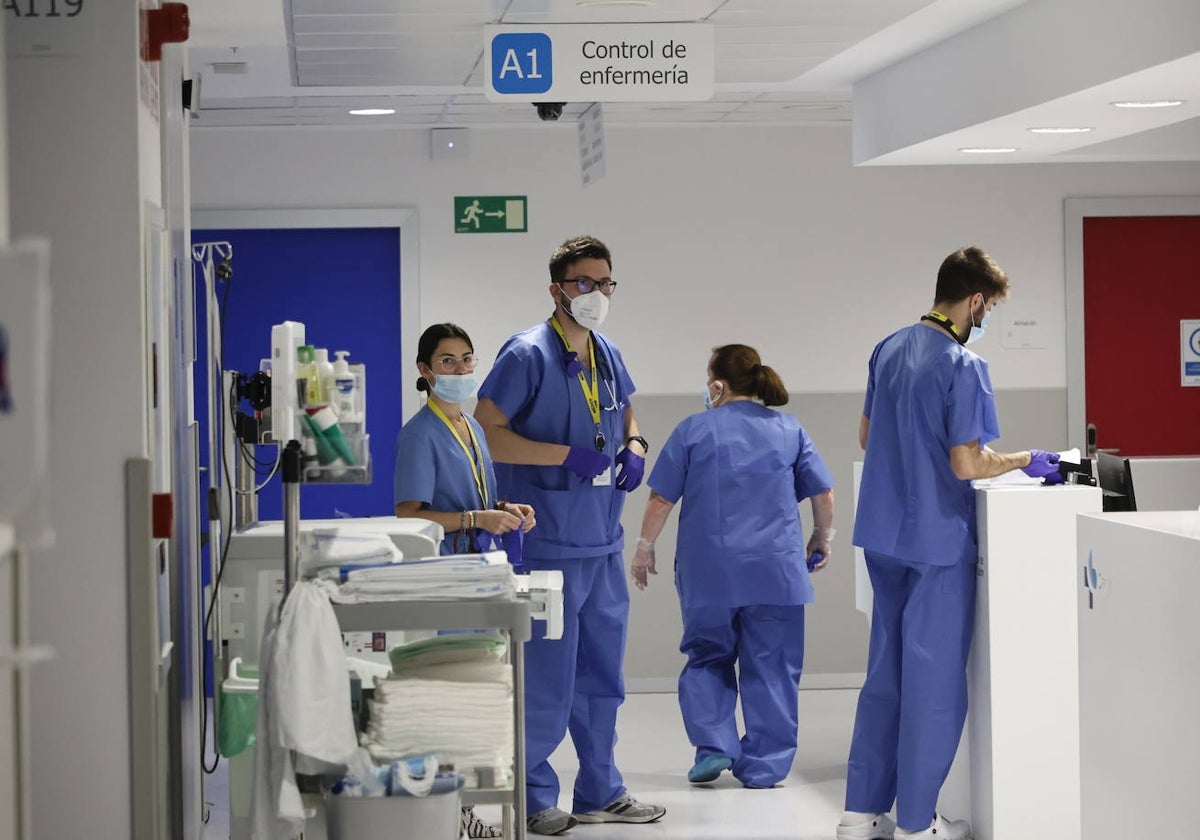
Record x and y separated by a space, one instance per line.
740 470
926 393
433 469
530 385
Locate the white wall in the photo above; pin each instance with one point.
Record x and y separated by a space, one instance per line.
764 235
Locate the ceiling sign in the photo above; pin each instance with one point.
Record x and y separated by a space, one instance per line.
609 62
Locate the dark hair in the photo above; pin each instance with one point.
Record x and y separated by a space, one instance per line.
429 341
747 376
574 250
969 271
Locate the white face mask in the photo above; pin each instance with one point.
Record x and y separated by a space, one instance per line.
977 331
454 388
590 310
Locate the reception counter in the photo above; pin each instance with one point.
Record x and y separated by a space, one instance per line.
1016 774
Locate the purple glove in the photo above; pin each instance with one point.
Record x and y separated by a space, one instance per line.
632 468
1042 464
586 463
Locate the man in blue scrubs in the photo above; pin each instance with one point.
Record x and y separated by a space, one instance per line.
928 416
555 408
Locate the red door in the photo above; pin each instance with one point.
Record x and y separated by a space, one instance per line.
1141 276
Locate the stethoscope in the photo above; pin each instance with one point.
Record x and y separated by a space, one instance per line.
604 372
602 366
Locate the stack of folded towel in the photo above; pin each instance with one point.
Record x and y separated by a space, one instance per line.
325 552
450 696
452 577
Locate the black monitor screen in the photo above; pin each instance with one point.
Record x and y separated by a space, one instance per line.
1116 482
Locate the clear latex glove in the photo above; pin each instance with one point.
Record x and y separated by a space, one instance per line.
1043 464
643 563
820 546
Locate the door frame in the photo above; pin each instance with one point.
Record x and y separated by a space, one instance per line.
403 218
1075 210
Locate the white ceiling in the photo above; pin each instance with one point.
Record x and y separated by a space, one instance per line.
918 79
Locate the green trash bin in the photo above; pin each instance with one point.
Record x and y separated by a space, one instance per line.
239 709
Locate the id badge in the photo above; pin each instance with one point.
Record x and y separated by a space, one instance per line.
604 479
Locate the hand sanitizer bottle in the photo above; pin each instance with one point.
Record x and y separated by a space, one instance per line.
345 389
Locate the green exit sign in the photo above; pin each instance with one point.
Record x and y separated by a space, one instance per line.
490 214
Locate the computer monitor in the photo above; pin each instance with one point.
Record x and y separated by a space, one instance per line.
1116 482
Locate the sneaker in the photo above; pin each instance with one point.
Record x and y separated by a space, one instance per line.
472 826
881 827
941 829
551 821
624 809
709 767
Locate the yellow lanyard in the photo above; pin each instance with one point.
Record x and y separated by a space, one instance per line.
477 469
592 394
939 318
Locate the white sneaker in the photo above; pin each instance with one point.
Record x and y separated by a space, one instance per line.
941 829
881 827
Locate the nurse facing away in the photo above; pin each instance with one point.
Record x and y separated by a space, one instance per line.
742 567
928 416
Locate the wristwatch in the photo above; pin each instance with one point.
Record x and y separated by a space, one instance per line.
640 440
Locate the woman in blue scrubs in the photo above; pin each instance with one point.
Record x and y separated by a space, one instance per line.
444 471
741 564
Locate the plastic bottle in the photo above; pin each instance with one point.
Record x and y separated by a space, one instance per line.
325 421
324 373
306 369
345 389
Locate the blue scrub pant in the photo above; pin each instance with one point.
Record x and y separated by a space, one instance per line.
576 683
767 643
914 702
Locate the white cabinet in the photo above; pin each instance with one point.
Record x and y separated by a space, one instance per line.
1137 575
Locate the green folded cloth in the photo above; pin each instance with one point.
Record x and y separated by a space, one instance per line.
455 647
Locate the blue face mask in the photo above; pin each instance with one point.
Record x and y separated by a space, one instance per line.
977 332
708 400
455 388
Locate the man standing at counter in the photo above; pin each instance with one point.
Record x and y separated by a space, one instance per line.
928 416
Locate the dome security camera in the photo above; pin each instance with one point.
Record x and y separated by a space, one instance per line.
549 111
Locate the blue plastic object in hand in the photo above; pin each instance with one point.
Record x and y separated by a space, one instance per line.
816 558
586 463
514 547
1042 464
574 366
632 469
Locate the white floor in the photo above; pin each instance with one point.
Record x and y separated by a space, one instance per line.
654 755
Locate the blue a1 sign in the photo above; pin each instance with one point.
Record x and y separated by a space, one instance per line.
618 62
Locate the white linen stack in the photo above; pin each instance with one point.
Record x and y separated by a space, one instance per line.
324 552
452 577
462 711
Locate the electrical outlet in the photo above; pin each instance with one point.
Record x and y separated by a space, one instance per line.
237 594
237 630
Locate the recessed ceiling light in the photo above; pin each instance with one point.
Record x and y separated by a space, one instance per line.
372 112
1148 103
1061 129
988 150
811 106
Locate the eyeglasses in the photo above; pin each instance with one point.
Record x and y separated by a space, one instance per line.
449 363
587 285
